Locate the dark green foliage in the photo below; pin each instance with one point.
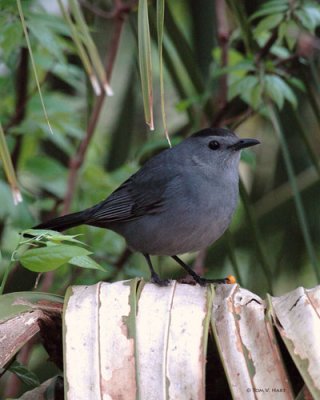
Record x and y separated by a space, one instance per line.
256 71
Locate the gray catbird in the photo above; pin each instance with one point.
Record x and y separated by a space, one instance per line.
180 201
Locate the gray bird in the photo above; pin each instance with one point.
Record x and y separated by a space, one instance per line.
180 201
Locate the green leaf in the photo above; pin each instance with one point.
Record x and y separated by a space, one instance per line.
48 258
7 206
273 90
11 37
309 16
297 83
248 157
248 89
268 23
145 62
291 34
241 67
27 377
47 174
53 236
53 22
13 304
86 262
46 37
255 96
274 8
289 94
160 22
278 90
279 51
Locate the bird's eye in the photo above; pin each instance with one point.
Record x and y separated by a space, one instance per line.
214 145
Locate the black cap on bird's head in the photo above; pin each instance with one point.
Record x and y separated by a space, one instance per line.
214 132
237 143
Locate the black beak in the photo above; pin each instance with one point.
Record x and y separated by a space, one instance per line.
243 143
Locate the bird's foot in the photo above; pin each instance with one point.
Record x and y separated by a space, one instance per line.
230 279
158 281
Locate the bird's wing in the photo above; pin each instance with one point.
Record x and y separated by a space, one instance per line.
141 194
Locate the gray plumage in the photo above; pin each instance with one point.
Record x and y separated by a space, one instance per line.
181 200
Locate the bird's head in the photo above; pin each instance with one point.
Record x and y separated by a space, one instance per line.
218 146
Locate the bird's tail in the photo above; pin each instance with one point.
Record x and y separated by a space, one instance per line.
65 222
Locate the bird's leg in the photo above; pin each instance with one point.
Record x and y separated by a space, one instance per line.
196 277
155 278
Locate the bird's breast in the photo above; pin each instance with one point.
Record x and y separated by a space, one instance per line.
192 219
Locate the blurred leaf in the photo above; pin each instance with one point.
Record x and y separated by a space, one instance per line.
11 36
268 23
71 74
45 36
271 7
249 89
289 30
248 157
273 90
145 63
26 376
309 15
86 262
52 22
48 258
14 304
280 51
278 90
238 70
297 83
7 206
47 174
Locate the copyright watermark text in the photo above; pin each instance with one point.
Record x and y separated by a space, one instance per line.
265 390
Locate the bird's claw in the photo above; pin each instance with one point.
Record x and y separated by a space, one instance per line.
204 281
160 282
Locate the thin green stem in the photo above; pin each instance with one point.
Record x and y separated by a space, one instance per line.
304 137
315 75
252 223
24 27
274 118
311 97
5 277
